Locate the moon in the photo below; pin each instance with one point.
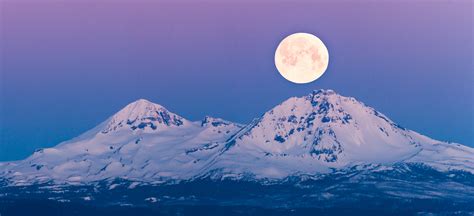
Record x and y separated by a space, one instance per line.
301 58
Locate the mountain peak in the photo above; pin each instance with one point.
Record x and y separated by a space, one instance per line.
138 106
143 115
216 122
331 128
323 92
141 101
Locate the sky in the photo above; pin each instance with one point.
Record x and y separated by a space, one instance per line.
66 66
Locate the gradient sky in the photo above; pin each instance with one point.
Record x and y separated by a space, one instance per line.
67 66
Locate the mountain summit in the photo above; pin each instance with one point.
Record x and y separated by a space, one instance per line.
144 115
318 133
331 128
325 131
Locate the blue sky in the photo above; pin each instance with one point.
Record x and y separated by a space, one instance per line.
65 67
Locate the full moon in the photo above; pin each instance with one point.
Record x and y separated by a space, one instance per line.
301 58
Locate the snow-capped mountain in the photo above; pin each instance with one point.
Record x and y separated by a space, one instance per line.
142 141
144 115
319 133
325 131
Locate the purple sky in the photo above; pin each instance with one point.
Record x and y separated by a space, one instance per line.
66 66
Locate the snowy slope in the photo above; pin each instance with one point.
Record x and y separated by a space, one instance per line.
142 141
317 133
325 131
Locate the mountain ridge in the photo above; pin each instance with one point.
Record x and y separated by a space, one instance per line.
317 133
